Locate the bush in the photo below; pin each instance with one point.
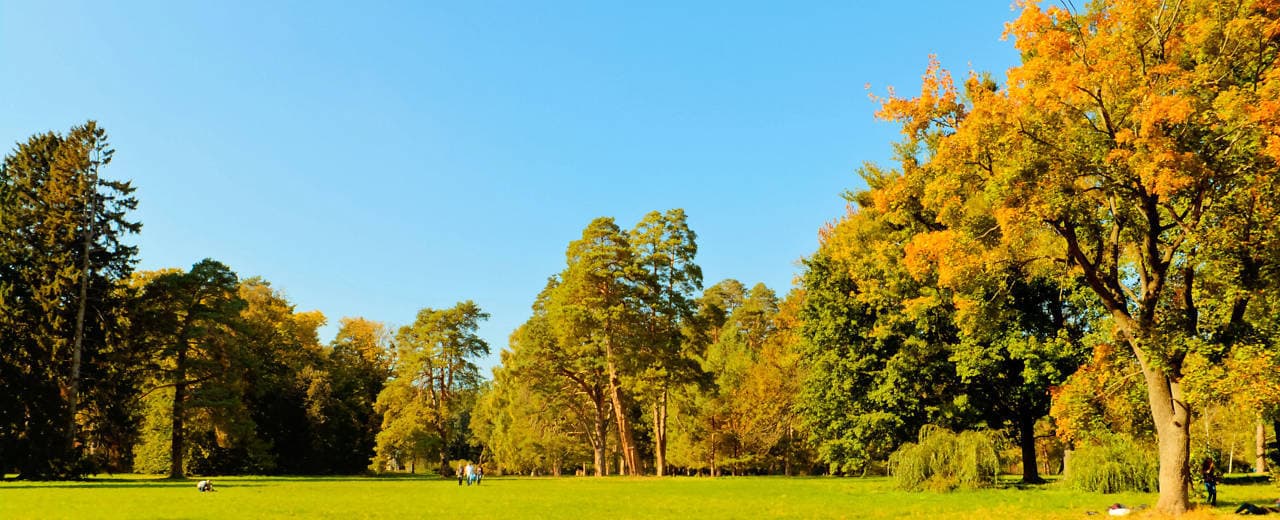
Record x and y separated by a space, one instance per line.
1113 464
943 461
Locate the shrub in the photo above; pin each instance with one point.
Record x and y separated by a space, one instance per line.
1113 464
943 461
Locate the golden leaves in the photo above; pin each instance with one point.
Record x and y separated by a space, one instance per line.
938 102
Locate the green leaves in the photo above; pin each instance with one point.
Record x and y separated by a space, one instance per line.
62 225
433 388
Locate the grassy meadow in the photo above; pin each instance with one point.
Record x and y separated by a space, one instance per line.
577 498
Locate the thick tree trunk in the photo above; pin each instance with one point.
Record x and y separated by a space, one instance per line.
1175 454
178 434
1173 431
443 451
1027 440
1260 447
625 438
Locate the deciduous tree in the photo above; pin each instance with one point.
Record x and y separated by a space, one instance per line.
1143 136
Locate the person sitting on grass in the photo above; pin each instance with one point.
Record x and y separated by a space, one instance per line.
1250 509
204 485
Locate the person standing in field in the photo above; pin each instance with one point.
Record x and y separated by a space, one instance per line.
471 473
460 472
1209 472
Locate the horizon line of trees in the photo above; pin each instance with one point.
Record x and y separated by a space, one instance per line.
1084 256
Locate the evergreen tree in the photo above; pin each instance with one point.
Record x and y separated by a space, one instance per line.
62 255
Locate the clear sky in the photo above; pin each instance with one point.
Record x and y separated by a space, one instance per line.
371 160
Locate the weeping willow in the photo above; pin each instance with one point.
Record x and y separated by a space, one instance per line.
944 461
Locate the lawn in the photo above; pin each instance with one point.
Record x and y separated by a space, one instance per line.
577 498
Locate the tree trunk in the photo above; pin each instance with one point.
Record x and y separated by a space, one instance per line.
1172 420
660 433
178 435
625 438
73 392
1027 440
786 466
1260 447
715 469
600 443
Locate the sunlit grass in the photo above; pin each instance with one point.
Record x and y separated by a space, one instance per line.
700 498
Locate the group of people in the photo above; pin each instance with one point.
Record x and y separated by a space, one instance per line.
471 473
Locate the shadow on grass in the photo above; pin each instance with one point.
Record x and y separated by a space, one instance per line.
1248 478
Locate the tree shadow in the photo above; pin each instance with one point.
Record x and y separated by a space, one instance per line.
1249 478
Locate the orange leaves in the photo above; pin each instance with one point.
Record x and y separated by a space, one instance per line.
1104 395
1168 172
1160 109
1266 112
1030 23
938 104
927 250
941 253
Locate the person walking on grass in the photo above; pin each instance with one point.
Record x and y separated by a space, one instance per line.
460 473
1209 472
471 473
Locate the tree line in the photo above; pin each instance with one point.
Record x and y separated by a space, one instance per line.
1085 252
175 371
1094 239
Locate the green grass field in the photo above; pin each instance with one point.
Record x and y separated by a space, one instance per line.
577 498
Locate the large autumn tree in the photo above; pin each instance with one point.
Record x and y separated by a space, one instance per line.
1144 137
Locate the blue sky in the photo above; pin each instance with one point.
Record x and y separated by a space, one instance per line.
371 160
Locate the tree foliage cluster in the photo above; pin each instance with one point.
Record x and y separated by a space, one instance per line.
1127 167
625 356
171 371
